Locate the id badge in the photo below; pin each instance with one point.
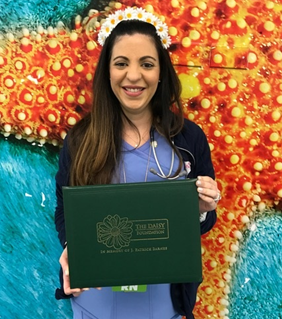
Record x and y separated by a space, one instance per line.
135 288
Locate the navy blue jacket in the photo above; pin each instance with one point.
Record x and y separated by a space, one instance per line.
193 146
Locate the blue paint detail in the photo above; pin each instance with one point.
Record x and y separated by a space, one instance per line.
21 13
257 285
29 248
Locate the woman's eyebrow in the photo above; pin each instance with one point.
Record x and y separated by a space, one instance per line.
141 59
147 57
120 57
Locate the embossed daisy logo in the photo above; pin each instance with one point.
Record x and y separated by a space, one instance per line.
114 232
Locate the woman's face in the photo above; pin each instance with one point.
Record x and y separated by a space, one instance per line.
134 72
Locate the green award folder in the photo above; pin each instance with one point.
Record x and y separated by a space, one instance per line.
133 234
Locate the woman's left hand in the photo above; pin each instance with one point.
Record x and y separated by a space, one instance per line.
209 194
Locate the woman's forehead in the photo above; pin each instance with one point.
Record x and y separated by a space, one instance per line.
135 43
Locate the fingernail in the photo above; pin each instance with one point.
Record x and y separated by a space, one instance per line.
67 272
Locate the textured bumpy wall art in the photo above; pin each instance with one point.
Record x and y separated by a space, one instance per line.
228 55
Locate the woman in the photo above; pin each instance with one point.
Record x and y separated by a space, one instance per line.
135 88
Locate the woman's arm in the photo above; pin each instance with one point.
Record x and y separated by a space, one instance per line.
207 186
193 139
62 179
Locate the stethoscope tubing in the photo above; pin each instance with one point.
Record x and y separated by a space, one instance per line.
161 174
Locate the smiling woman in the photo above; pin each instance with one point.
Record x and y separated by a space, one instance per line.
136 88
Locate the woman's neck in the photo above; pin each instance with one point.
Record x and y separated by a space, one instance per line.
138 135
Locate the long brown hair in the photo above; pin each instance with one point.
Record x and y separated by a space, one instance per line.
95 142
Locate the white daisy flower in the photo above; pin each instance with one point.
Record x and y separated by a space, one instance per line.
119 15
141 14
105 31
162 29
113 20
130 13
150 18
101 38
166 41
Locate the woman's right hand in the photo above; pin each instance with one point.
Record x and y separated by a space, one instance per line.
66 278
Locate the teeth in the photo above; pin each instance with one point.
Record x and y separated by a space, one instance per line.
133 90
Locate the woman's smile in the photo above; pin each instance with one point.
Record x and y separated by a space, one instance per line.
133 91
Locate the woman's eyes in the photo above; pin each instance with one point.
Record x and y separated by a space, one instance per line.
120 64
145 65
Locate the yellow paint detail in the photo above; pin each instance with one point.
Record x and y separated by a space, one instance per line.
190 86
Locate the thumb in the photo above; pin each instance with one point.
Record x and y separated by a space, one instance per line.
64 260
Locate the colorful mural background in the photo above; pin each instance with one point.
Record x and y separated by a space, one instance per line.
228 55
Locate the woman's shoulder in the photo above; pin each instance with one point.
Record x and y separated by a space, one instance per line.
190 127
191 135
76 133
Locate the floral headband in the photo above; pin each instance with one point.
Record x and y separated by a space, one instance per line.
134 14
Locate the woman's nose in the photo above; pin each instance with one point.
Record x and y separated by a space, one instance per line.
134 73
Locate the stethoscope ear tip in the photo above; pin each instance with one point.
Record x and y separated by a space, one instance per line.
153 171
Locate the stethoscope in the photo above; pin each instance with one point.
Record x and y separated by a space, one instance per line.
161 174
